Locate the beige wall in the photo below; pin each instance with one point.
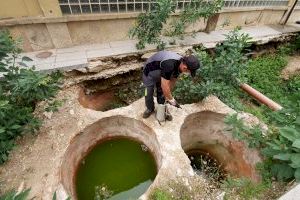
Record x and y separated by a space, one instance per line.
41 24
99 31
249 18
19 8
295 16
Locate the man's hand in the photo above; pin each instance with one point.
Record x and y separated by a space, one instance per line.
173 102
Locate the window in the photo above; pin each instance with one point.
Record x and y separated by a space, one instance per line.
120 6
255 3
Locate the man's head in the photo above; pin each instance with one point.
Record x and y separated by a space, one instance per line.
189 64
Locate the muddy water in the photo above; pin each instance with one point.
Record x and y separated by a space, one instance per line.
117 169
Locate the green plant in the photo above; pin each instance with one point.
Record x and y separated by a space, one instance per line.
130 92
244 188
264 75
253 136
219 75
20 89
149 25
192 13
281 144
159 194
13 195
296 44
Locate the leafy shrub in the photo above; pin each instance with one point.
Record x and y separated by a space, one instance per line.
20 89
148 26
281 145
219 75
192 13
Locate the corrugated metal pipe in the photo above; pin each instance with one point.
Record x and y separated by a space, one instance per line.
260 97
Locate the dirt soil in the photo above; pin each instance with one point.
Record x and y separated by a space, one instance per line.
292 68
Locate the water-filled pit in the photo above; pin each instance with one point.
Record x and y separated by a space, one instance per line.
117 168
116 156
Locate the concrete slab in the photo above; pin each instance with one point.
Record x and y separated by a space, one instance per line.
72 64
124 49
260 31
293 194
84 48
33 55
79 55
122 43
71 56
99 53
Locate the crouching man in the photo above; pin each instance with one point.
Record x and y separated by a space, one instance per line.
161 71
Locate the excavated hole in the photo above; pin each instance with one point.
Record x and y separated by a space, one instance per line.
204 134
114 92
206 165
99 132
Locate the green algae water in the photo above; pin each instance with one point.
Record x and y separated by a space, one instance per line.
117 169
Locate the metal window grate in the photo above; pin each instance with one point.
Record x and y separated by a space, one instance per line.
255 3
119 6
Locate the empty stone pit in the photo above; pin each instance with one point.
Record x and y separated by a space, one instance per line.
203 134
112 134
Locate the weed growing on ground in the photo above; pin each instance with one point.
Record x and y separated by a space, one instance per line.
243 188
263 74
194 189
20 89
159 194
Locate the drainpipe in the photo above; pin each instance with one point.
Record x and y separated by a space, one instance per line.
291 6
260 97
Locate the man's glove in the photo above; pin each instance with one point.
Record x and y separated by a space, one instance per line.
173 102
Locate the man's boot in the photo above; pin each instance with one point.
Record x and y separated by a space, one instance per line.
147 113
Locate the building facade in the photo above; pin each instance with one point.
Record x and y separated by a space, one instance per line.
48 24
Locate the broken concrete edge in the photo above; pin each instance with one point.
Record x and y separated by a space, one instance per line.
148 53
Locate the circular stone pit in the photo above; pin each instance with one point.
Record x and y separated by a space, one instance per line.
204 132
110 127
